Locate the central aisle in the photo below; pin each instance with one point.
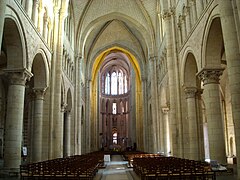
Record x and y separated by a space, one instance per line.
116 170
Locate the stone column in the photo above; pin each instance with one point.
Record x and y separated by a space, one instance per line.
183 25
231 45
2 18
192 123
37 125
35 12
210 78
187 19
145 123
200 123
14 118
45 28
40 19
57 120
173 91
199 5
29 7
154 106
67 134
88 117
167 148
77 100
193 11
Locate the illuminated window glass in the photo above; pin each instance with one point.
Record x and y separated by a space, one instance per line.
114 83
114 138
126 88
114 108
120 79
107 84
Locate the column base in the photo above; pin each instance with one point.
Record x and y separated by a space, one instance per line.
9 172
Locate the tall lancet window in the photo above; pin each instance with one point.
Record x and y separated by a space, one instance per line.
114 83
125 84
107 84
114 108
120 79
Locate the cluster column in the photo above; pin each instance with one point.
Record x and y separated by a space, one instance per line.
192 123
14 118
210 78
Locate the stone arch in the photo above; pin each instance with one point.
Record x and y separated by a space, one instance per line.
190 69
40 70
69 100
213 45
15 44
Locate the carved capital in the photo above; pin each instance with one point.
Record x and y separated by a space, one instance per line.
190 92
153 58
63 107
165 110
210 76
166 15
18 76
39 93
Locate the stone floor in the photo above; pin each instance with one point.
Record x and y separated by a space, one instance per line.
117 169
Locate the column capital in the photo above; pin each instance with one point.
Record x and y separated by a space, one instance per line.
152 58
190 92
165 110
63 107
39 93
166 15
78 57
210 75
18 76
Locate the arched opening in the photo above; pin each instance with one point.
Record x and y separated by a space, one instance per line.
112 74
192 123
213 85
